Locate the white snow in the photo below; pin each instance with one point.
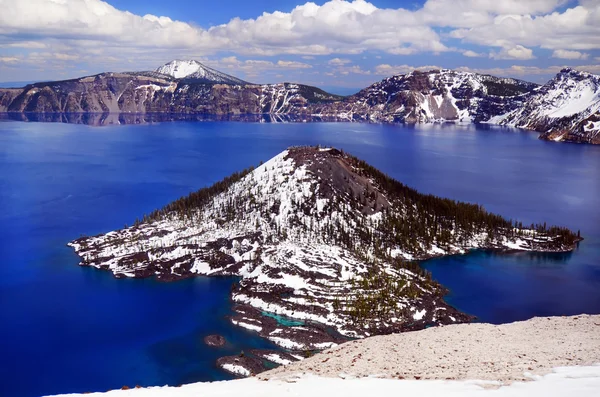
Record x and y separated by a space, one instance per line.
236 369
564 381
575 102
180 69
592 126
286 343
419 315
251 327
277 359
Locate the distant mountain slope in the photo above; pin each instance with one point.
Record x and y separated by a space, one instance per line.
567 108
437 95
145 92
194 70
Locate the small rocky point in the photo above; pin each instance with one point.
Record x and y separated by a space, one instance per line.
215 340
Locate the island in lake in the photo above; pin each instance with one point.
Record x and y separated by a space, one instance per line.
325 245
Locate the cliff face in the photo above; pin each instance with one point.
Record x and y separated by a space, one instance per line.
145 93
413 98
7 96
438 95
565 109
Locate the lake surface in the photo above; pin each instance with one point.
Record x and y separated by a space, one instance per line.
64 328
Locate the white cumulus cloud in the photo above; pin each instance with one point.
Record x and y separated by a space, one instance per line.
390 70
472 54
566 54
96 34
513 52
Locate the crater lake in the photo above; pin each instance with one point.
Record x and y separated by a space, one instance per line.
65 328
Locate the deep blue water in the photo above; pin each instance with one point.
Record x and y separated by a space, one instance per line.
69 329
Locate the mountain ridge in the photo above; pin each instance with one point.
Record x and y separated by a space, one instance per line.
567 108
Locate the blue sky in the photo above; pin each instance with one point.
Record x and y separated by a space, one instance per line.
333 43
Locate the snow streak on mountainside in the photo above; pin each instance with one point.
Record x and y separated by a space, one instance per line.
194 70
292 98
319 237
567 108
437 95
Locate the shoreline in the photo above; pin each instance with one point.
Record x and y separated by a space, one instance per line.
100 119
515 359
308 337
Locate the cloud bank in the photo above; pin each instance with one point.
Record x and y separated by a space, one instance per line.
95 32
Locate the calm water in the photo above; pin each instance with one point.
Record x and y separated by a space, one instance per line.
69 329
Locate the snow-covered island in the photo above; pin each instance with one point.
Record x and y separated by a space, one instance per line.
326 247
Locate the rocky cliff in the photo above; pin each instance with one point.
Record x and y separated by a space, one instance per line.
437 95
153 92
565 109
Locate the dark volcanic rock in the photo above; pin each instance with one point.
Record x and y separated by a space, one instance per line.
215 340
242 365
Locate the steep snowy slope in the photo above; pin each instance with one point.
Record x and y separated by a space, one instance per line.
567 108
194 70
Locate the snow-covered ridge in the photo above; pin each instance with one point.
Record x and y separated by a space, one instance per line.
567 108
434 96
190 69
568 381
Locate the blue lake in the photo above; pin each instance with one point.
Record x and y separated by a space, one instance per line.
69 329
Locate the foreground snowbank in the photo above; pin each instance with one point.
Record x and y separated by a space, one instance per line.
566 381
461 352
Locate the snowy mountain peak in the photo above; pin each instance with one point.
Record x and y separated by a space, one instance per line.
565 108
180 68
191 69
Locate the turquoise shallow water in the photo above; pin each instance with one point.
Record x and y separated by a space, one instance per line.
71 329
